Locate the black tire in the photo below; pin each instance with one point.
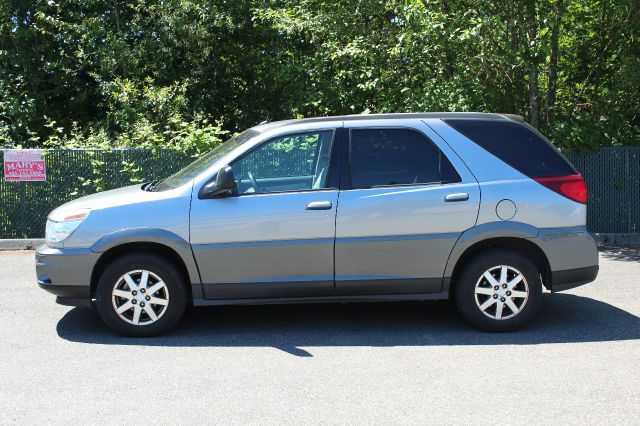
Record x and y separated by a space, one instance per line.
163 268
474 269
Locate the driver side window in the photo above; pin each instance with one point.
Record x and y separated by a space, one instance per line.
293 162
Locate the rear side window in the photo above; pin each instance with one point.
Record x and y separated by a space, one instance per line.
383 157
517 145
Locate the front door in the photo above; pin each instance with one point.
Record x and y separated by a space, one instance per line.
401 211
275 237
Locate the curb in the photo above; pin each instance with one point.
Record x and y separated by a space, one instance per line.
618 239
21 244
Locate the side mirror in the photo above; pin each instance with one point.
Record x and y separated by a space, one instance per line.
224 184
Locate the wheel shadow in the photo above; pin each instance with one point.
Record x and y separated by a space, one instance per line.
563 318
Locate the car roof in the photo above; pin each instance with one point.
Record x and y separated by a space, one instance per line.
393 116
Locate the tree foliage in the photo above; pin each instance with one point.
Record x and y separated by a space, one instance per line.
181 73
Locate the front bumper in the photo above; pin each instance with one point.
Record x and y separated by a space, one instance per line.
66 273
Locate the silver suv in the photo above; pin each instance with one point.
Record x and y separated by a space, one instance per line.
477 207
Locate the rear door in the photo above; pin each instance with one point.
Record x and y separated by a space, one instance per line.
405 199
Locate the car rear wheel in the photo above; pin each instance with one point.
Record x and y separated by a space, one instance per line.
141 295
498 290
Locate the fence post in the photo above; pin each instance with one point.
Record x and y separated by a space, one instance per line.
629 201
23 196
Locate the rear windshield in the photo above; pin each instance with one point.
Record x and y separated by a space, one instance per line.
517 145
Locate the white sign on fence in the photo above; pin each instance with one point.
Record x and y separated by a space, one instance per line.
24 165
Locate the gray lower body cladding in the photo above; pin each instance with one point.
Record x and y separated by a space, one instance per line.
568 248
66 273
571 252
385 265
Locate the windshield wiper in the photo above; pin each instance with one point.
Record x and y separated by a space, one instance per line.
152 185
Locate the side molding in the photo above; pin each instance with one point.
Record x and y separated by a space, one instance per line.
152 235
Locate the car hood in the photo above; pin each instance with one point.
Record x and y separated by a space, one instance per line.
133 194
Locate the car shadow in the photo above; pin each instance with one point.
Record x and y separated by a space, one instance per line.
563 318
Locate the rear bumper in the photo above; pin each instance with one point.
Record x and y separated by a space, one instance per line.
66 273
572 254
570 278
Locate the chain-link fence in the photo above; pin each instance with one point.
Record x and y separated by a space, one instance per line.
612 175
613 179
71 173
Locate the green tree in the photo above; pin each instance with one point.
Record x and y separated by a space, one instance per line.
141 73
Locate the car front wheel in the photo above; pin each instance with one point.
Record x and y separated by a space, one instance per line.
141 295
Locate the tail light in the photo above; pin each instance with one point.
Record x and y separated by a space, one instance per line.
570 186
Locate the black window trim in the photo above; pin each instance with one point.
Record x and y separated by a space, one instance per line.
346 183
278 136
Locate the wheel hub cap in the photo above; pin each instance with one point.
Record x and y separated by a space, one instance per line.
501 292
140 297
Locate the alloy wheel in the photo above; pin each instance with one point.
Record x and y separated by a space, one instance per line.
501 292
140 297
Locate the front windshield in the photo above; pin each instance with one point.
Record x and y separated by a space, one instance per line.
194 169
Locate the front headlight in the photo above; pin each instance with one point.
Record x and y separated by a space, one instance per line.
59 228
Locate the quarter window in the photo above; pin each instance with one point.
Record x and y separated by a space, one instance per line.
382 157
516 144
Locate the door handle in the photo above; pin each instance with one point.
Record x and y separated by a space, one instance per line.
458 196
319 205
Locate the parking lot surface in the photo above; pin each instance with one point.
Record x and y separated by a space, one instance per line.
382 363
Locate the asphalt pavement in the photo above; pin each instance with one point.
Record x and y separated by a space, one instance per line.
369 363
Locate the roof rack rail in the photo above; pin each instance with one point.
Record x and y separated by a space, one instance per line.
515 117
